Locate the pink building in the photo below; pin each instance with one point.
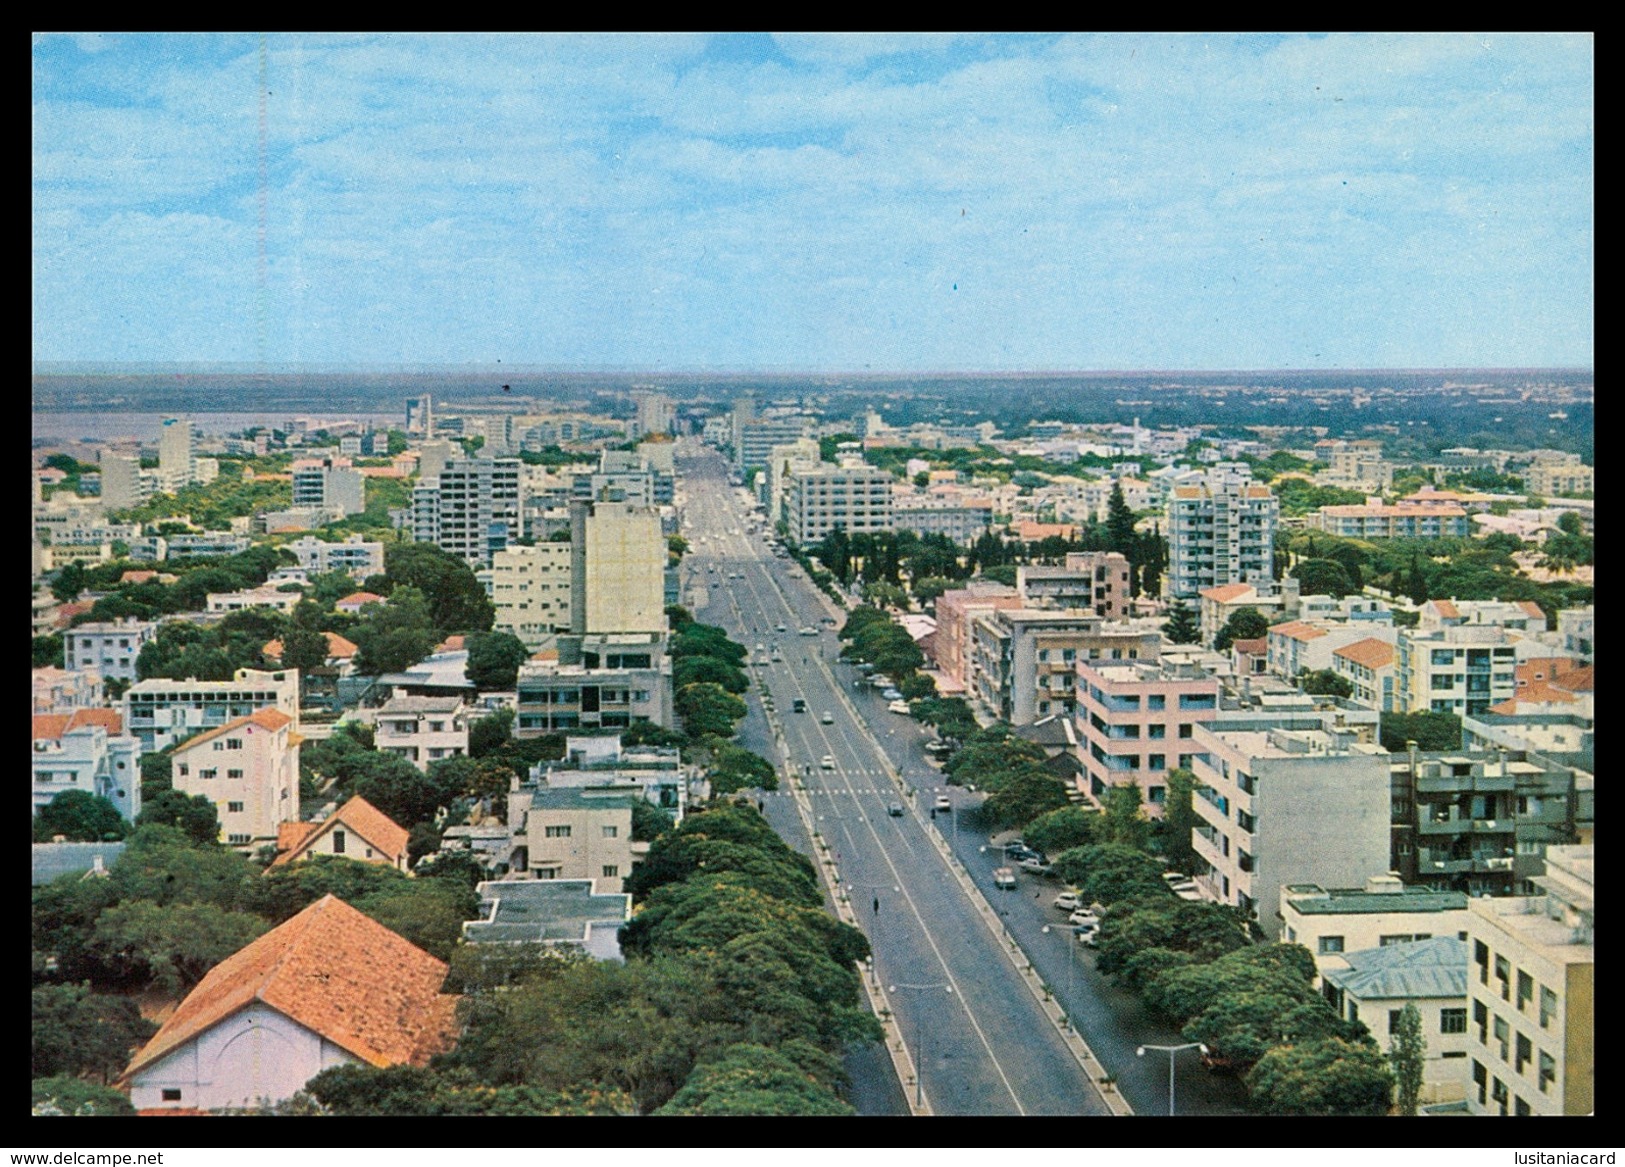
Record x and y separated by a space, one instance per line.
1135 722
950 646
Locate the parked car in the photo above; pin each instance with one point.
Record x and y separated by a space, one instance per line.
828 718
1004 877
1087 934
944 802
895 809
891 695
881 681
1036 866
898 706
827 762
1067 901
809 631
1083 917
780 628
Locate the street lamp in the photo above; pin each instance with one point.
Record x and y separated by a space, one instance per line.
919 1061
1171 1050
1071 958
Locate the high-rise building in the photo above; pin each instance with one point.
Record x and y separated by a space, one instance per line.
471 510
420 416
824 497
1137 719
329 483
530 590
124 484
176 454
655 414
618 564
1220 531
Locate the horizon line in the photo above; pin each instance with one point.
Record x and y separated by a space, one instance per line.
234 368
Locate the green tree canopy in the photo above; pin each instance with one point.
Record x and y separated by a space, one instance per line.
708 710
458 603
79 816
1109 872
77 1031
392 637
1430 731
1326 682
1245 623
1322 1078
735 768
65 1095
1025 794
170 946
1179 818
494 659
1407 1054
194 814
753 1080
1323 577
1181 626
1124 820
697 669
1062 829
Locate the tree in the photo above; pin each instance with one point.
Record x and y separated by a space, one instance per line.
1181 626
1246 623
303 649
393 636
77 1031
1109 872
1024 795
1326 682
196 814
396 787
1179 818
1430 731
494 659
66 1095
458 601
490 733
1323 577
1322 1078
81 817
696 669
753 1080
1407 1053
735 768
649 821
69 582
1119 523
171 946
708 710
1062 829
48 651
1124 821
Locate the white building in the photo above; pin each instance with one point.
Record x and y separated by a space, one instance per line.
86 750
177 454
257 598
1221 531
109 647
249 769
530 589
354 556
471 509
161 711
1460 669
618 565
329 987
1331 922
329 483
1532 994
820 499
423 729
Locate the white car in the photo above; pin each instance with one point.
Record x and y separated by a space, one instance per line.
1067 901
1082 917
828 718
944 802
898 707
827 762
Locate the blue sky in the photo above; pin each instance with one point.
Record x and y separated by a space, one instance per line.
815 202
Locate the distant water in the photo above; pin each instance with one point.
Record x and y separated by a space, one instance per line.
104 426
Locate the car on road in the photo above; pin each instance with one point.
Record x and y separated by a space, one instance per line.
897 707
944 802
881 681
827 762
1018 853
938 750
809 631
799 705
895 809
1036 866
779 628
1004 877
890 695
828 718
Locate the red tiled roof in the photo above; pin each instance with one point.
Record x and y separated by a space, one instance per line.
51 726
361 598
137 576
338 647
1576 680
1224 593
334 971
267 718
1370 652
362 818
1533 609
1297 630
1446 608
1254 647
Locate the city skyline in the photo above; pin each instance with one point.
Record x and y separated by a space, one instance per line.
840 204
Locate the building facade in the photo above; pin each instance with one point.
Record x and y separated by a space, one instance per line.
423 730
161 712
820 499
249 769
1221 531
110 648
1137 721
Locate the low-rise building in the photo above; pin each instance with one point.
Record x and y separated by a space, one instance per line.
1532 994
560 913
1376 985
423 730
255 598
61 691
1459 669
328 987
606 682
573 833
1216 605
249 769
86 750
1097 580
1368 665
355 556
109 647
1376 520
1298 646
357 830
1332 922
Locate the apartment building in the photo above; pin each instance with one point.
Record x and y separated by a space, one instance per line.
962 518
266 597
1512 615
1220 531
86 750
65 690
530 589
1097 580
1023 658
1135 721
607 681
1368 665
600 762
1577 629
822 498
423 730
573 833
1483 823
330 483
1285 807
617 569
161 712
1215 605
204 545
1377 520
125 485
249 769
109 647
1332 922
177 454
1460 669
951 648
1298 646
1559 477
754 440
472 509
356 557
1532 995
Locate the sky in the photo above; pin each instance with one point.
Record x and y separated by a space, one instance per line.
815 203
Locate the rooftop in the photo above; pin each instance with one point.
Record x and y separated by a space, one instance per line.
544 910
1311 900
1432 968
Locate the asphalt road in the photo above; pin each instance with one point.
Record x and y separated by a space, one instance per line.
986 1045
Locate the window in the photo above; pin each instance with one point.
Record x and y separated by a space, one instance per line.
1393 1019
236 840
1526 990
1503 973
1481 957
437 727
1331 944
208 773
338 842
1453 1020
1525 1053
1548 1007
1548 1072
234 773
1156 701
171 1094
234 743
185 769
1498 1091
1503 1034
611 832
1185 731
556 832
234 808
611 871
1520 1107
1156 731
1481 1018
